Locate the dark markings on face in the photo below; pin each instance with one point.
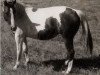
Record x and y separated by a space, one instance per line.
6 13
70 22
50 31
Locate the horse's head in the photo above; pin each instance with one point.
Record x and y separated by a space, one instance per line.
7 4
8 11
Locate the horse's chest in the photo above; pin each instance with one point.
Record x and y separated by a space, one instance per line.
40 16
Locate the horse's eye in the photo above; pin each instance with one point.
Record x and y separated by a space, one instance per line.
6 10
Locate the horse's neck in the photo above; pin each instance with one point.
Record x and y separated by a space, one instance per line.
20 12
21 18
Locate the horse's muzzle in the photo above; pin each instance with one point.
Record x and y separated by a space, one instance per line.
13 28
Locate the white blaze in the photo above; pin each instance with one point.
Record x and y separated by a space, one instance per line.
12 18
70 64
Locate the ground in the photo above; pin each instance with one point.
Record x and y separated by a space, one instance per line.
47 57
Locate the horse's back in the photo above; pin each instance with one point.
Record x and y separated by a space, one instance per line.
40 15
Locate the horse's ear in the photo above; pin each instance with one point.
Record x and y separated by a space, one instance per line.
5 2
14 1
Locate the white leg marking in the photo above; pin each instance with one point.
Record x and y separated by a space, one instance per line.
70 64
19 41
25 50
66 62
16 65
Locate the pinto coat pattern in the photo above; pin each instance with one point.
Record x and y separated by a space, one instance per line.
44 24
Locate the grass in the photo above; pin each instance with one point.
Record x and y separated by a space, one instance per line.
47 57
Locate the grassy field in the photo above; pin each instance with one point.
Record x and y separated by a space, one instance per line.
47 57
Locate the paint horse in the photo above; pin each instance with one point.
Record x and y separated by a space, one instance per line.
44 24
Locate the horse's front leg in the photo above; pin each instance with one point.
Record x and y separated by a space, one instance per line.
19 41
25 51
70 54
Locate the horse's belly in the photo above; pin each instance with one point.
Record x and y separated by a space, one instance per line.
31 32
40 16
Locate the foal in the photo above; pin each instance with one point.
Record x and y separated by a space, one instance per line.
44 24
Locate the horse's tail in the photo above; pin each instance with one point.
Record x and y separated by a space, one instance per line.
86 34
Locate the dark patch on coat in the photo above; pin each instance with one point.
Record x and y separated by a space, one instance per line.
34 9
51 29
70 22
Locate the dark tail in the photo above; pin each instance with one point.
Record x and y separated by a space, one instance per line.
87 34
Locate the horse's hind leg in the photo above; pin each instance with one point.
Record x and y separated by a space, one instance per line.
19 41
70 54
25 51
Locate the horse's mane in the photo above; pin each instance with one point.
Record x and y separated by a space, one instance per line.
21 14
20 9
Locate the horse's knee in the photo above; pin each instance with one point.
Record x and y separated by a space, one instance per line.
18 38
25 49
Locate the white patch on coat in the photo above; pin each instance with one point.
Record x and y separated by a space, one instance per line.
39 17
41 14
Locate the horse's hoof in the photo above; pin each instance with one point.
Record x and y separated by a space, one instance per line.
26 64
15 67
27 61
69 65
65 73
